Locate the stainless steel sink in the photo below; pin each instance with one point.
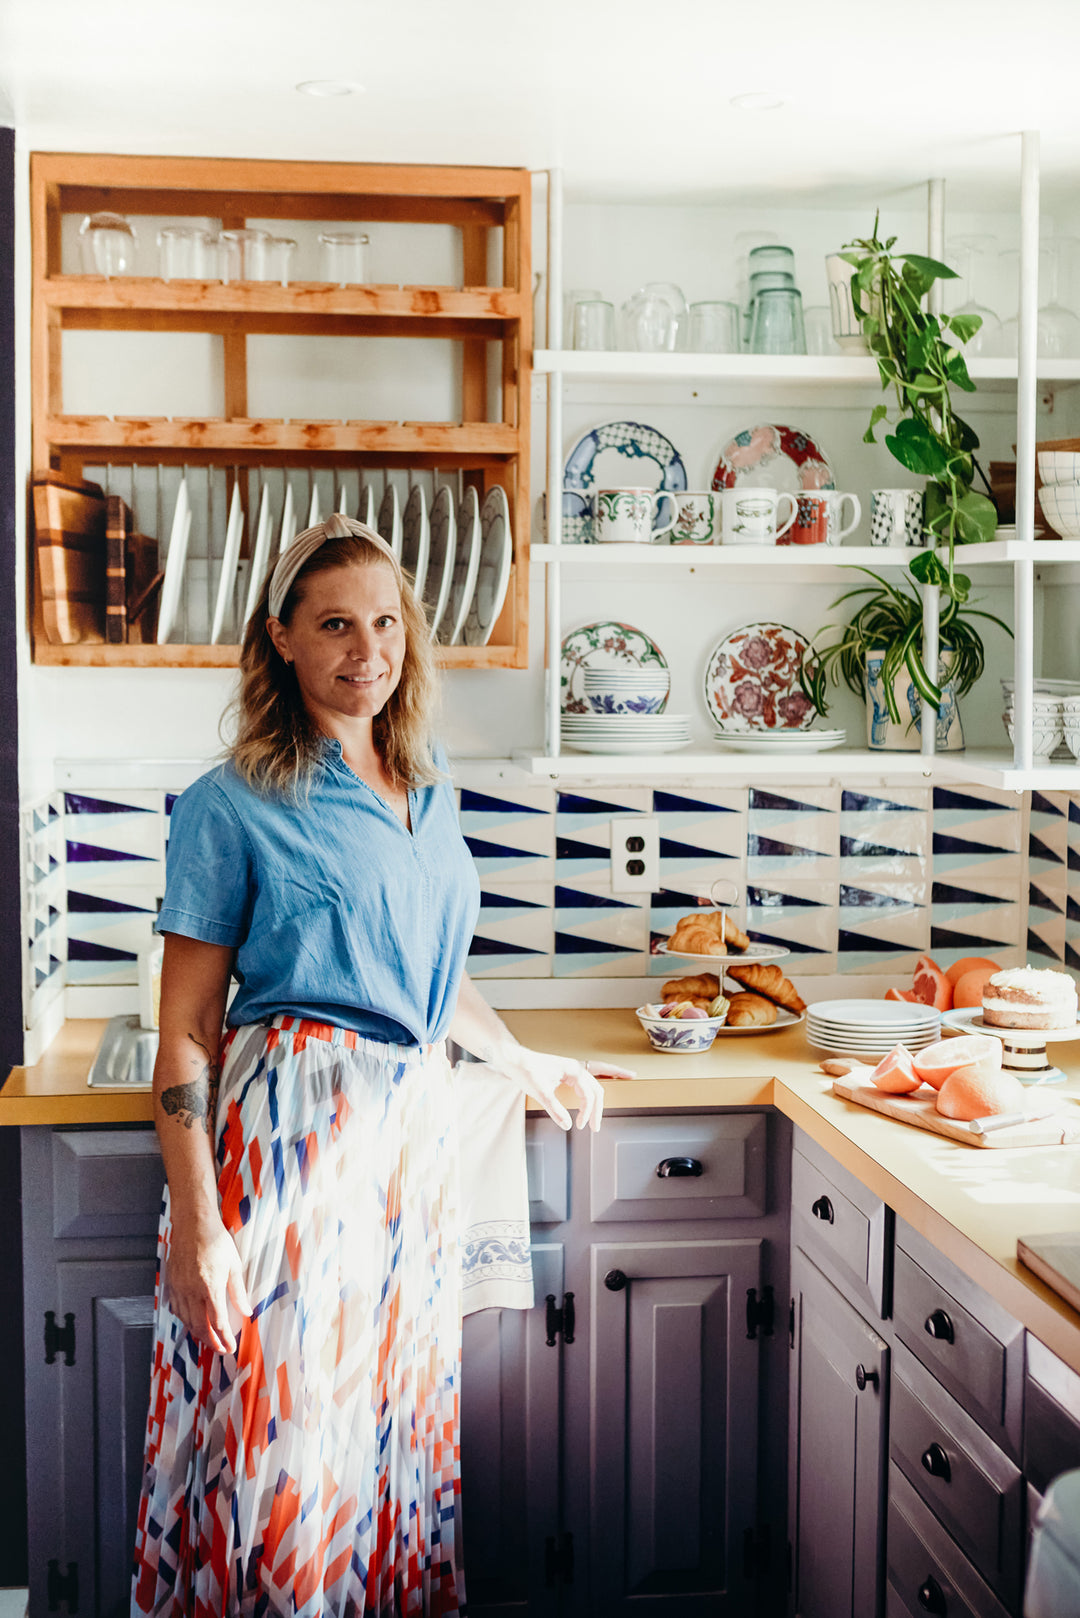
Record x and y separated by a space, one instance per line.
125 1058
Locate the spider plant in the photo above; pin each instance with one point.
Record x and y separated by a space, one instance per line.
890 617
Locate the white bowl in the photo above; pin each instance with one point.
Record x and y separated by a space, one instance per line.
687 1037
1044 738
1072 740
1059 466
1060 504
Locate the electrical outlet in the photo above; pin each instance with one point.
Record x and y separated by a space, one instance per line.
635 855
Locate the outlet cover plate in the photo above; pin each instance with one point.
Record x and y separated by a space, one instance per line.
625 831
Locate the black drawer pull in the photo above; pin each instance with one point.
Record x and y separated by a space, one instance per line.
940 1326
615 1280
679 1168
823 1209
932 1597
936 1463
863 1376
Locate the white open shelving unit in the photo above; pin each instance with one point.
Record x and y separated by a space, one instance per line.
1031 561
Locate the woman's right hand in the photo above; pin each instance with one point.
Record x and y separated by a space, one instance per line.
204 1274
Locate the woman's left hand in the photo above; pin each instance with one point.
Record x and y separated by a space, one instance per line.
539 1075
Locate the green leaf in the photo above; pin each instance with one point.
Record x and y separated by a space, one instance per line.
878 414
964 327
915 447
956 370
930 267
967 437
928 568
976 519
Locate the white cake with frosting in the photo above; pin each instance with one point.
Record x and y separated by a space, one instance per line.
1029 997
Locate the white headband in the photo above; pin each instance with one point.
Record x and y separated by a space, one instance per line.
306 543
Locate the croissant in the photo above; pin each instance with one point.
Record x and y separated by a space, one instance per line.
703 985
750 1011
767 979
715 922
693 937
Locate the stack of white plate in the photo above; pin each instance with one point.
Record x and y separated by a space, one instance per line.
625 733
870 1028
779 741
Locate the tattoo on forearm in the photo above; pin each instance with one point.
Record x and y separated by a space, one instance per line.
197 1100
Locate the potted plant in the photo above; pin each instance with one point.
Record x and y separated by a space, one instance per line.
878 656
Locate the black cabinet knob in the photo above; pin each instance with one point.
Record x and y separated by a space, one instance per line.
936 1463
615 1280
679 1168
863 1376
932 1597
823 1209
940 1326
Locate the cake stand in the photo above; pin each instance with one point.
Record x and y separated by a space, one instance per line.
1023 1050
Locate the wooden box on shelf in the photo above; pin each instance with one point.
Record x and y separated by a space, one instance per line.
485 452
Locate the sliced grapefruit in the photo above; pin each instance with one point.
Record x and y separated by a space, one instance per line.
973 1092
894 1072
968 989
930 985
934 1063
969 964
901 994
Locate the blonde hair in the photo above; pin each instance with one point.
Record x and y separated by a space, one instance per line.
277 745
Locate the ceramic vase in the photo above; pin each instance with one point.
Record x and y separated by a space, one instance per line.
885 735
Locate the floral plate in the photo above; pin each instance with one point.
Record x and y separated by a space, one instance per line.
614 455
775 457
603 645
752 680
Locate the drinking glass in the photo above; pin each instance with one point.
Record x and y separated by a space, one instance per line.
968 256
1059 329
650 325
571 300
184 252
108 244
778 326
819 333
714 328
341 254
243 254
279 255
594 324
771 256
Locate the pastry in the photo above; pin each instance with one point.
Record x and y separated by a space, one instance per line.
1029 997
750 1011
707 932
701 985
767 979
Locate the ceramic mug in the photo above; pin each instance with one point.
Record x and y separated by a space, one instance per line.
896 517
752 516
820 518
697 521
625 516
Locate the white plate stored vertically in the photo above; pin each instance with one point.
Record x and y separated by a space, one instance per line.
466 564
443 544
174 564
389 523
227 577
261 554
493 574
415 539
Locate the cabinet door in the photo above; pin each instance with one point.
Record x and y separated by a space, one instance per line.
836 1476
673 1444
510 1430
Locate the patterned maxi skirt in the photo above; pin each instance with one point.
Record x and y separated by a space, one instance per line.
316 1471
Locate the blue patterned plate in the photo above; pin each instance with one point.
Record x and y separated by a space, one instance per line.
615 455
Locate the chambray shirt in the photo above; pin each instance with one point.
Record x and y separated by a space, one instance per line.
337 912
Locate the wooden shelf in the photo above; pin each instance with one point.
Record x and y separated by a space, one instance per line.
89 655
297 438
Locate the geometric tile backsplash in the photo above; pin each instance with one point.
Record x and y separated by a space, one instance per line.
850 882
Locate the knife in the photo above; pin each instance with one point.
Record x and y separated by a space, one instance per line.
1005 1120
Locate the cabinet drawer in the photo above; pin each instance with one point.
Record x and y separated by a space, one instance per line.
547 1164
106 1182
961 1474
927 1572
1051 1417
967 1340
848 1237
686 1166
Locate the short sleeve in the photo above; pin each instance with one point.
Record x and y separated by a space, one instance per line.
209 871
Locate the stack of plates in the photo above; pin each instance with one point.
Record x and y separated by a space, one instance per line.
870 1028
625 733
779 741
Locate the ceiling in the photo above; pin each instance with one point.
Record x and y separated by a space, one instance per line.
632 99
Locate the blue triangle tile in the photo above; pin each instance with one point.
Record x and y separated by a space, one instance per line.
87 904
54 914
1039 946
944 893
1072 958
492 946
668 899
671 803
79 949
863 803
865 943
39 927
671 850
949 798
1042 806
770 847
54 813
760 799
971 943
1038 850
77 803
503 901
763 897
854 848
480 849
785 943
40 977
1074 811
1073 861
1072 909
40 821
571 944
1041 901
170 799
569 848
863 899
481 802
570 803
54 965
54 862
90 854
946 843
582 899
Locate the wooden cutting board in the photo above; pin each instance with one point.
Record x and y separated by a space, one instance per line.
1056 1260
1061 1129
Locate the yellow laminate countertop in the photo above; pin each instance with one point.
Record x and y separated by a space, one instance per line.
971 1202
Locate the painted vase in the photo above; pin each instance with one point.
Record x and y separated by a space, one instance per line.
882 731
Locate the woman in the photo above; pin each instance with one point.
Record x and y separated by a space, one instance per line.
302 1445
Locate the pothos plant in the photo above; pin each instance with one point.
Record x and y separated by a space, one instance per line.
918 357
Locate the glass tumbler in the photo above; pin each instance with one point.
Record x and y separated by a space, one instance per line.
279 257
341 256
778 323
184 252
108 244
594 324
714 328
243 254
819 334
771 257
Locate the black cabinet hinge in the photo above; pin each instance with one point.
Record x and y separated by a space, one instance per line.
759 1312
560 1320
63 1588
757 1551
59 1339
791 1324
559 1560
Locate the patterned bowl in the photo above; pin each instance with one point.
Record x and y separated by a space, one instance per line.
1058 466
1045 735
1061 507
674 1034
637 691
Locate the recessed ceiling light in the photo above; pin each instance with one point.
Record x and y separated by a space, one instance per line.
758 101
327 87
